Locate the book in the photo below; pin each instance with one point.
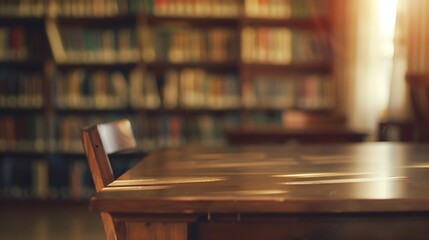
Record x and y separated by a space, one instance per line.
151 95
76 175
6 179
101 81
21 183
136 87
40 187
171 89
119 90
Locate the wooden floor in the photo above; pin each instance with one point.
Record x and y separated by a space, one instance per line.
46 221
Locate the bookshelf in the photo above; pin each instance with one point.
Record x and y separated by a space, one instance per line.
181 71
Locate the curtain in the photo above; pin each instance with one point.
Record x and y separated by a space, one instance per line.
411 53
398 107
361 69
416 21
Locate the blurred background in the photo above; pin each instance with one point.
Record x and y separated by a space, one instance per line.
192 72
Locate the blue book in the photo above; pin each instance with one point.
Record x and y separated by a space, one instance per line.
6 176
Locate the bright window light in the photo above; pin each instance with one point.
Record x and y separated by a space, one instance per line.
387 17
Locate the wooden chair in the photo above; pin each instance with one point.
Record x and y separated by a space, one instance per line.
418 86
99 141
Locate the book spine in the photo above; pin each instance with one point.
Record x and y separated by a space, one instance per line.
40 179
100 45
100 89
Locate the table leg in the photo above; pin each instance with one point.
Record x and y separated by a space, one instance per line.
156 231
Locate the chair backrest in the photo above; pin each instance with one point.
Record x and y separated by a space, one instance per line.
101 140
419 95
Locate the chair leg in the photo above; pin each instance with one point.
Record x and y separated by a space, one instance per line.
110 228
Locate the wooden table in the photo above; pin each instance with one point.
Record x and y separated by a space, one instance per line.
353 191
279 135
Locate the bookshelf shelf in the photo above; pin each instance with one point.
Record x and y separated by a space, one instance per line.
32 154
21 63
123 65
309 23
191 111
97 62
181 71
316 67
160 66
20 110
21 20
101 19
201 21
70 154
94 110
320 110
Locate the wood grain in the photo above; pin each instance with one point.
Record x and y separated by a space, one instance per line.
157 231
374 177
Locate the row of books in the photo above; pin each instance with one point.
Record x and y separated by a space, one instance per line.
22 133
38 179
94 90
262 118
15 44
190 88
59 177
76 8
70 178
310 92
99 45
268 8
286 8
179 45
27 134
309 8
23 7
99 8
283 45
232 8
23 178
276 45
172 130
153 131
200 8
187 88
20 89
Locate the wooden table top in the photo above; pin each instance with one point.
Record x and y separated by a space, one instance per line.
366 177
